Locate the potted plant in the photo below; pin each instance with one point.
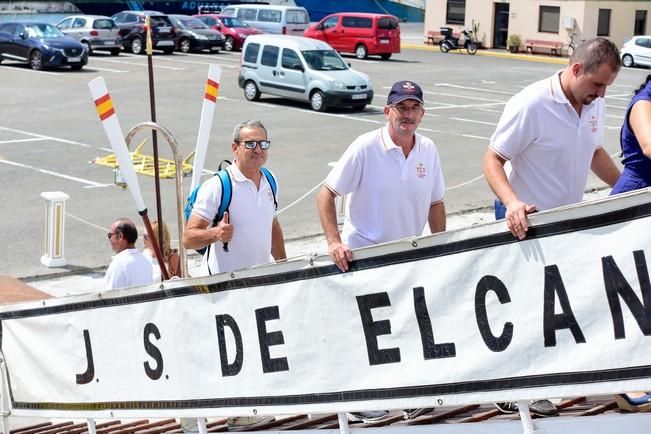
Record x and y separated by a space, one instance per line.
513 42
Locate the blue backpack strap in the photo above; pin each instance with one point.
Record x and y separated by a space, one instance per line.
227 195
272 182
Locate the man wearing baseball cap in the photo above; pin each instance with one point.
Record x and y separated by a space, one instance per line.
393 178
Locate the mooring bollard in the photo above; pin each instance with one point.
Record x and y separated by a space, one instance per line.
55 209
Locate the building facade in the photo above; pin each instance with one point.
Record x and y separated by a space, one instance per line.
542 20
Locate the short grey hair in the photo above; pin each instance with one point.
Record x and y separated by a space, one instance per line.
595 52
247 124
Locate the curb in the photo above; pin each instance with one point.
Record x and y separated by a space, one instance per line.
493 53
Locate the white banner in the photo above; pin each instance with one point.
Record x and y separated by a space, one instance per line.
467 316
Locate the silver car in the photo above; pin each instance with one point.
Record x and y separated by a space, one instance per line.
637 51
95 32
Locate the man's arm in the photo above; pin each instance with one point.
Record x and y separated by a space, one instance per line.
341 253
436 217
277 241
198 235
604 167
516 210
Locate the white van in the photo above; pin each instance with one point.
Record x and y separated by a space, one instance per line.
303 69
284 20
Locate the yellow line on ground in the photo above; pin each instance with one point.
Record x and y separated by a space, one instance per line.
493 53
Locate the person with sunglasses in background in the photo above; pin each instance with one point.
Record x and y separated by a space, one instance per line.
395 185
129 266
250 226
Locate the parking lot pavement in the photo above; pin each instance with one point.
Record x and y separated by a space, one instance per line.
49 132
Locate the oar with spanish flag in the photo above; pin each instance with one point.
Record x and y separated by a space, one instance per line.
109 118
154 136
205 125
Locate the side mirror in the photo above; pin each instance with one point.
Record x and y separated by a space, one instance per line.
219 26
319 26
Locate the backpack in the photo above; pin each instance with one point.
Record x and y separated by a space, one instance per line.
226 196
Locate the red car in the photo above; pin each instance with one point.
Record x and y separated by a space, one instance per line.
233 29
359 33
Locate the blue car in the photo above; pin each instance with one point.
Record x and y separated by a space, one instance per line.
40 45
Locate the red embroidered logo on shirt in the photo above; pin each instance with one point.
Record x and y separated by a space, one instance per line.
594 123
420 170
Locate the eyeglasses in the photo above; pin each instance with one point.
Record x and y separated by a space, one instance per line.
251 144
110 234
404 109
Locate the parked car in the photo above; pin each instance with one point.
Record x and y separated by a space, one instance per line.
134 33
40 45
637 51
95 32
303 69
284 20
234 30
194 35
359 33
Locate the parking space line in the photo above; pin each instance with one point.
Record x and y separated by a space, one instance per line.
222 56
122 62
34 139
474 121
97 68
8 66
52 173
55 139
190 62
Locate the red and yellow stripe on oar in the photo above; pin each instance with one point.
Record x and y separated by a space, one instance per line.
104 107
212 90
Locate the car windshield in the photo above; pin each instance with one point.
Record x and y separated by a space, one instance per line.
42 31
190 23
233 22
324 60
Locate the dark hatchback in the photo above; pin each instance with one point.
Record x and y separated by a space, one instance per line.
41 45
133 31
193 35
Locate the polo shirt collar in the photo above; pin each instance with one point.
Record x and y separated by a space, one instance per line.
237 174
388 144
557 90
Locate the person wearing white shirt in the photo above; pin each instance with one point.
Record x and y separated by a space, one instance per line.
129 266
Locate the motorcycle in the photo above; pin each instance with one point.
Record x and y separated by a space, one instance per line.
449 42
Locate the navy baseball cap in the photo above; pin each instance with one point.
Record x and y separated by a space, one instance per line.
403 90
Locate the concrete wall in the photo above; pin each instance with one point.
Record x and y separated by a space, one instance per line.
524 14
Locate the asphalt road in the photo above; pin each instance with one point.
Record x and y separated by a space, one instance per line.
49 133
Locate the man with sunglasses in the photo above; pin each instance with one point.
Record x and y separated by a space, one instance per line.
129 266
395 185
250 226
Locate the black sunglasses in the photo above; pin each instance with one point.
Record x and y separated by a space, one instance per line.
251 144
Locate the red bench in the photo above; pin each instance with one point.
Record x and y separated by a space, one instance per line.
553 46
433 37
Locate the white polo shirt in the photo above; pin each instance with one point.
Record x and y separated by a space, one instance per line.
128 268
390 195
251 213
549 146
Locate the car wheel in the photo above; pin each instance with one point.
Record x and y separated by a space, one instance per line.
317 101
184 45
115 52
251 91
136 45
361 52
86 46
627 60
385 56
229 43
36 60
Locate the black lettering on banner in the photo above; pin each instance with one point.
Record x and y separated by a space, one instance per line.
431 350
232 369
153 351
617 286
373 329
89 374
268 339
552 321
486 284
